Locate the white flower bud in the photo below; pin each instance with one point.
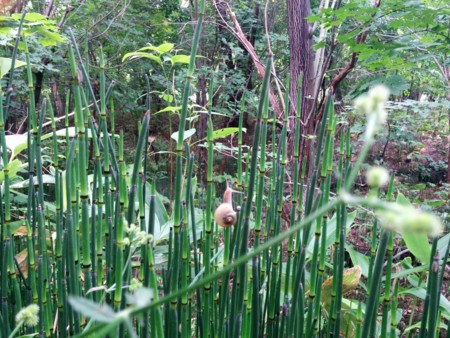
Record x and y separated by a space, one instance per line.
377 177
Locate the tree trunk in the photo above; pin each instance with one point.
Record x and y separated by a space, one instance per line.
301 62
447 77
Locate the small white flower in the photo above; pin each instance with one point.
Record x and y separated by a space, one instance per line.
377 177
28 315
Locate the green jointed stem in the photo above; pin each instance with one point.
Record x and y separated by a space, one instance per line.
81 159
370 314
242 272
431 304
13 62
315 282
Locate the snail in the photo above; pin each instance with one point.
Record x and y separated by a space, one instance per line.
225 215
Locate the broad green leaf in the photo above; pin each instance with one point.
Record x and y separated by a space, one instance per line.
406 272
442 245
167 98
52 38
46 179
151 47
359 259
169 109
224 132
417 326
160 210
34 17
434 203
180 59
417 243
48 206
138 55
188 133
421 293
164 48
419 186
99 312
16 225
5 65
17 143
13 167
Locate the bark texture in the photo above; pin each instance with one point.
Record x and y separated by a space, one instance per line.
301 62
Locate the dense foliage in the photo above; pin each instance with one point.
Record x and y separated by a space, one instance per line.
121 122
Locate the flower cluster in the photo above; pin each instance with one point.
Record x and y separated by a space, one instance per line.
134 284
138 237
377 177
28 315
403 218
372 104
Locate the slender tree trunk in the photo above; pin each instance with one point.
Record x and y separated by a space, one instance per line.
447 76
301 62
58 103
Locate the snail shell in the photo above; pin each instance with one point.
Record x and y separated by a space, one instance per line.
225 215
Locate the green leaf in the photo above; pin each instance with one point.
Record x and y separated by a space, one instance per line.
48 206
164 48
169 109
99 312
46 179
5 65
434 203
419 186
442 245
13 167
417 326
421 293
138 55
224 132
359 259
167 98
37 17
417 243
188 133
151 47
180 59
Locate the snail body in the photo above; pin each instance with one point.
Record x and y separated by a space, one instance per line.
225 215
